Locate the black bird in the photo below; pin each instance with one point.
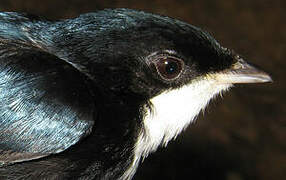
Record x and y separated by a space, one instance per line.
89 97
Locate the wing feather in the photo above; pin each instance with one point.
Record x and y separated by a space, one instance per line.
46 105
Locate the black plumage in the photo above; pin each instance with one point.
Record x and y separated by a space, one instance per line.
73 92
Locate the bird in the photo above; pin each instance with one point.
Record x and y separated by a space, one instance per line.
92 96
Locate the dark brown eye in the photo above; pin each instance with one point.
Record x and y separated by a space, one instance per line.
169 68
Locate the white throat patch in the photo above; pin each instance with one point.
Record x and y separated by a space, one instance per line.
172 111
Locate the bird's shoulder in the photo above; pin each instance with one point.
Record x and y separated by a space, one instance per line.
46 104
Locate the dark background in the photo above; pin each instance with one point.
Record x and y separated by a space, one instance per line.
241 137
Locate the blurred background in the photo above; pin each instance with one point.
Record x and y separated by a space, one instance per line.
240 137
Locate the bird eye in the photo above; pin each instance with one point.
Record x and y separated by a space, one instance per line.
169 68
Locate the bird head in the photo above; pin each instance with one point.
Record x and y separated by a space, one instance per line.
171 69
166 69
146 54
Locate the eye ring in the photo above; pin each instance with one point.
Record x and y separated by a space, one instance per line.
169 68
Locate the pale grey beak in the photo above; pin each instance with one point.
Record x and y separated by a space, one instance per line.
242 72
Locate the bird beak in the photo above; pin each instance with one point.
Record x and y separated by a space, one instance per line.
242 72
